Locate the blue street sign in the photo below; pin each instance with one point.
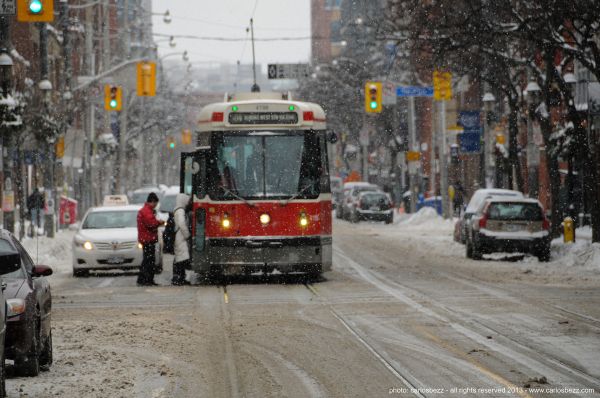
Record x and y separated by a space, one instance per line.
470 139
414 91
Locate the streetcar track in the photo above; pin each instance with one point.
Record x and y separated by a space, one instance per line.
229 353
393 288
387 364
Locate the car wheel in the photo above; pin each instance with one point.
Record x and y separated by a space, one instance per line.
46 355
158 269
543 253
476 252
29 364
390 219
354 217
78 273
469 250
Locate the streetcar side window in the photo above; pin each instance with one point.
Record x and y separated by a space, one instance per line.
324 180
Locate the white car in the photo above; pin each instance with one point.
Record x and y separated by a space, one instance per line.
108 240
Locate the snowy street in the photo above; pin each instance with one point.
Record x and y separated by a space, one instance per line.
401 309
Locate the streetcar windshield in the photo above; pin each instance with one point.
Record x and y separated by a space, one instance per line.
265 165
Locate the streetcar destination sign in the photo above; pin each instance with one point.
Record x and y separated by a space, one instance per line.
263 118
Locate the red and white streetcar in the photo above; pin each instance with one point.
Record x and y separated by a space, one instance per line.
260 184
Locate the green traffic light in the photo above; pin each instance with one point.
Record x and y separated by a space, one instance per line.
373 104
172 145
113 103
35 6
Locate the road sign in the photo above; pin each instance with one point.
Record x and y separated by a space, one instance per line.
470 139
288 71
413 156
414 91
389 93
8 7
442 85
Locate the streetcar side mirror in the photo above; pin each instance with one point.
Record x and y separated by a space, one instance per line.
332 137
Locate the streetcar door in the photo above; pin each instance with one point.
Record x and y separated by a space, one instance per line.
193 182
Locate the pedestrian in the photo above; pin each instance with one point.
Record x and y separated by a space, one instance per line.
35 204
182 234
459 198
147 225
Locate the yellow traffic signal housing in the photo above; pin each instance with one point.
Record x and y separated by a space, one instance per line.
146 79
35 10
186 137
442 85
373 97
171 143
113 97
60 147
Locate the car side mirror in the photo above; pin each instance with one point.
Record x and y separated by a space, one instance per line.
9 262
41 270
332 137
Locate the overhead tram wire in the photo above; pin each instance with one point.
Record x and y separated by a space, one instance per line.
234 39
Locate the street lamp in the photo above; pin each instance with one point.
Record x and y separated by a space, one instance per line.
533 156
6 64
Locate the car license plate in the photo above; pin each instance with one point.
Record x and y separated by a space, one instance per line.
513 227
115 260
374 208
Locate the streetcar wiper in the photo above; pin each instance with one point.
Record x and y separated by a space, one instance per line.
285 202
235 195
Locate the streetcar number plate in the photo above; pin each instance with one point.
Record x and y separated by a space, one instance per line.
263 118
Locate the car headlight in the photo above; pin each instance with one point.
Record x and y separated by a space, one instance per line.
14 307
87 245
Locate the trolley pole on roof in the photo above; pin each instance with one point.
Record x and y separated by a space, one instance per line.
255 87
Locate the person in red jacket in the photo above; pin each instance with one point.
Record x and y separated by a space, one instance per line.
147 225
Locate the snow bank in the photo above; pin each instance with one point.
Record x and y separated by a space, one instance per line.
582 254
426 218
54 252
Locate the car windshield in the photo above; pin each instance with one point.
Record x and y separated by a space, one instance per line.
356 191
6 248
506 211
139 198
374 199
167 203
111 219
265 164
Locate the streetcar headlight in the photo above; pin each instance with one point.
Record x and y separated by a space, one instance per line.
88 245
303 219
14 307
225 222
265 219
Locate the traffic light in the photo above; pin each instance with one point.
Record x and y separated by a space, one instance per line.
373 97
60 147
146 79
186 137
171 143
442 85
35 10
113 98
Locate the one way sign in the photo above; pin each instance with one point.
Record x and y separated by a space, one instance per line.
288 71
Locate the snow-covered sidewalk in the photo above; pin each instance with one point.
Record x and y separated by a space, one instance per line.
429 233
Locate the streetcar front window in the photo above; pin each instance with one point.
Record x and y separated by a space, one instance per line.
265 165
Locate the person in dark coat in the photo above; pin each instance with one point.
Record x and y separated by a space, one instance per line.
147 225
35 204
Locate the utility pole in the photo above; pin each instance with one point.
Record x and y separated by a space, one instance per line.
443 160
7 146
121 150
90 114
413 147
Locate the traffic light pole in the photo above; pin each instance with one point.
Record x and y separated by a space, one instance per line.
443 161
413 146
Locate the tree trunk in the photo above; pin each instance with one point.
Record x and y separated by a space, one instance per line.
513 149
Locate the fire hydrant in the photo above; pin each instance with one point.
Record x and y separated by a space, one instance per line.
568 230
